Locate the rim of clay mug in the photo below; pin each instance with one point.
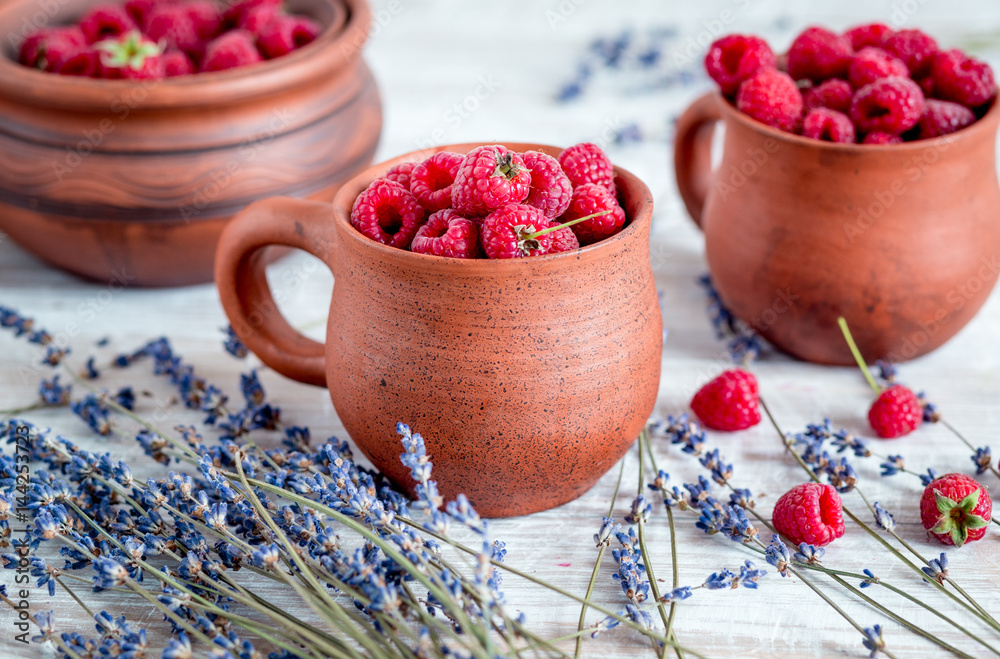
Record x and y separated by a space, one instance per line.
326 54
344 201
969 132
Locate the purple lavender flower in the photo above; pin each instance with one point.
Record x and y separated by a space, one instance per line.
873 640
937 568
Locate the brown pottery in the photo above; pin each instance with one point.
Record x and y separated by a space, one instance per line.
134 180
528 378
902 240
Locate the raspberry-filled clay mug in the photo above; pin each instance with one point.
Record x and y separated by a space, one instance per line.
903 240
528 378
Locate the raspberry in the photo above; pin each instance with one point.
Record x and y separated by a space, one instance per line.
872 34
173 26
834 93
587 163
387 213
734 58
819 54
67 59
401 173
943 117
431 180
504 232
230 50
238 10
881 138
33 48
287 33
871 64
915 48
896 412
771 97
489 178
588 199
446 233
176 63
962 79
105 22
550 188
956 509
130 57
828 125
257 18
206 17
728 402
810 513
563 240
138 10
889 105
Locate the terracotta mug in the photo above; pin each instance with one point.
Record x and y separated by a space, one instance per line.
902 240
528 378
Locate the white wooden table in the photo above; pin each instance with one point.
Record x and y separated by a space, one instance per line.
430 57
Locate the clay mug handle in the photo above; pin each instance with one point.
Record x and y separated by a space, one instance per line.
693 152
245 294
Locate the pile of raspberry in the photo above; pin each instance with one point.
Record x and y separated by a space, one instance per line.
155 39
869 85
493 203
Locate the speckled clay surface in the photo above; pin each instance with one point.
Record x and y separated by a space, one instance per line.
528 378
902 240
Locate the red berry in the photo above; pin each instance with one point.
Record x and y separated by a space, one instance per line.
818 54
230 50
962 79
173 26
401 173
828 125
138 10
881 138
872 34
387 213
943 117
176 63
257 18
734 58
871 64
915 48
588 199
446 233
810 513
550 188
206 16
729 402
105 22
130 57
504 232
287 33
956 509
70 60
889 105
489 178
587 163
834 93
239 9
33 48
896 412
773 98
563 240
431 180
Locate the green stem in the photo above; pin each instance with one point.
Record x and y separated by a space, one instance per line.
954 431
857 355
564 225
673 554
74 596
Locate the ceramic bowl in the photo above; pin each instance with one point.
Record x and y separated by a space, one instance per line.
134 180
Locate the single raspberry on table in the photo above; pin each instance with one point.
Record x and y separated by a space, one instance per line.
962 79
773 98
206 16
834 93
889 105
550 188
173 26
287 33
728 402
870 64
956 509
447 233
506 233
563 240
489 178
871 34
431 180
588 199
401 173
230 50
819 54
828 125
587 163
105 22
943 117
131 56
915 48
881 138
387 213
810 513
736 57
896 412
177 63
